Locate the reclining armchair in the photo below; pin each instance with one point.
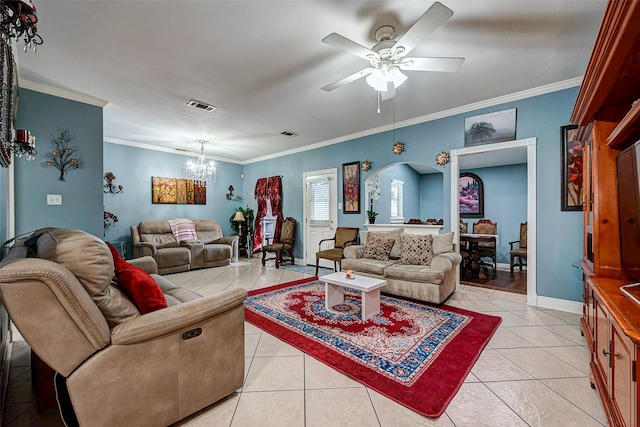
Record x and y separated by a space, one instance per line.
115 366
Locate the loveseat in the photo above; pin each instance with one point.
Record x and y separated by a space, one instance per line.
116 366
203 247
417 267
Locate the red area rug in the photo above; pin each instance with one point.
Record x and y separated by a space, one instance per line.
413 353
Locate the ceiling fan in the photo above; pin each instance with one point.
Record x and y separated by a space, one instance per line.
388 57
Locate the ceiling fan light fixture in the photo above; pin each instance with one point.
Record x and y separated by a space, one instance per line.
395 75
377 80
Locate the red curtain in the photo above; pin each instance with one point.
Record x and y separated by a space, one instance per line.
274 190
261 195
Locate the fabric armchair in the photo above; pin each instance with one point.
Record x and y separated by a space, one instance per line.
345 236
284 245
519 253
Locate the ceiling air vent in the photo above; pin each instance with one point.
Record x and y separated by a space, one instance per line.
288 133
201 105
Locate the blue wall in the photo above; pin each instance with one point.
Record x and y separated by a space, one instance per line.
134 167
505 202
81 192
559 234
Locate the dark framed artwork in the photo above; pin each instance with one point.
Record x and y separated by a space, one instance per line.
570 169
351 188
471 196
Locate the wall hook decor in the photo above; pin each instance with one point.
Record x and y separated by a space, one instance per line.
231 196
64 157
442 158
398 148
367 165
110 187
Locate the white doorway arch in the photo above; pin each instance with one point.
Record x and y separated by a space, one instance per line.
495 155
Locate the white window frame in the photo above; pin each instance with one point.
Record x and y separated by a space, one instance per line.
397 202
322 222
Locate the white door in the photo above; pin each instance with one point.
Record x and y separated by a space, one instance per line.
320 212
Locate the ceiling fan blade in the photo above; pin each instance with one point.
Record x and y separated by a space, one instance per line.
389 93
341 42
352 78
431 64
430 21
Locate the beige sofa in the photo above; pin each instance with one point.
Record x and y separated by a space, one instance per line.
115 366
432 283
154 238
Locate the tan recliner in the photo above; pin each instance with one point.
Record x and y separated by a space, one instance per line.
120 367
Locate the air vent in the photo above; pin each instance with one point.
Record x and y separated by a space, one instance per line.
201 105
288 133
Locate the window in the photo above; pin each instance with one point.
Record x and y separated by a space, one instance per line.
397 201
319 201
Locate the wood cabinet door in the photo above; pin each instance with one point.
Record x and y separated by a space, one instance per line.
602 346
622 386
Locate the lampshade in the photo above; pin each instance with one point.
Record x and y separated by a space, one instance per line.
377 80
396 76
239 217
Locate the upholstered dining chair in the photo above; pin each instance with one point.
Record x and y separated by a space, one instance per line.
345 236
487 249
521 251
285 244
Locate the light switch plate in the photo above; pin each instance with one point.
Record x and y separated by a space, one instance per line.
54 199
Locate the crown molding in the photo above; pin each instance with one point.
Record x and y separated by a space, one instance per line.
541 90
166 150
63 93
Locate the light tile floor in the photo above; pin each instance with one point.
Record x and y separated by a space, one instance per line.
533 372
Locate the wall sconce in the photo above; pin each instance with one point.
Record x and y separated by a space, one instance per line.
25 144
231 196
62 157
110 187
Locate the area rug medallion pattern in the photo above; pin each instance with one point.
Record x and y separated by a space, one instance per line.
413 353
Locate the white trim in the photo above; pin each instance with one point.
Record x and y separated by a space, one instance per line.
530 145
63 93
559 304
528 93
165 149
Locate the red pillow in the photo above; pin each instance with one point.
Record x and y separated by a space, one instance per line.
142 289
139 286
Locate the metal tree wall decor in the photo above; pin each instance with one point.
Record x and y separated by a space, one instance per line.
64 157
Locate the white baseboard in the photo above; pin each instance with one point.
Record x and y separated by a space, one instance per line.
556 304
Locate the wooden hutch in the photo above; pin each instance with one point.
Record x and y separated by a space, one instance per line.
609 118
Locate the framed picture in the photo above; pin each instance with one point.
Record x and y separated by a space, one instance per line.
178 191
491 127
471 195
351 188
570 169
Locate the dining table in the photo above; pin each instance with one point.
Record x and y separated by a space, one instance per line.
469 247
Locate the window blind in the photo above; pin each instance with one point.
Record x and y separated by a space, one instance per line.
319 201
397 199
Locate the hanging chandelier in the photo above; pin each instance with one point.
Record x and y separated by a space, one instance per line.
202 170
19 21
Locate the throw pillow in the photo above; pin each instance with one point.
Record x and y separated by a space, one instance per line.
137 284
183 229
142 289
416 249
396 250
442 243
378 247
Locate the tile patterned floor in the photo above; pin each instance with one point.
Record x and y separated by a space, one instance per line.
533 372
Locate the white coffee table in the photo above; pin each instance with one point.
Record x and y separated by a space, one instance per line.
335 283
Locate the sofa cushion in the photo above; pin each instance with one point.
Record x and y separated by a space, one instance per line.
160 241
416 249
366 265
183 229
208 230
378 247
171 257
396 251
442 243
90 260
215 252
414 273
